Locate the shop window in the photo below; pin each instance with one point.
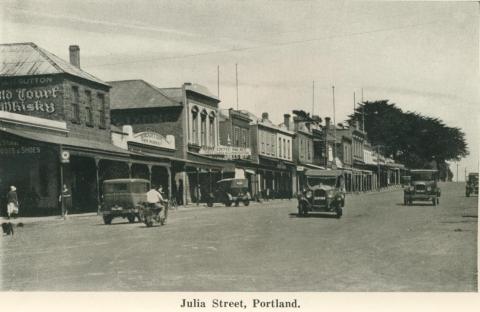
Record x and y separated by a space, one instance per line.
89 108
101 111
244 138
284 155
75 105
203 129
289 149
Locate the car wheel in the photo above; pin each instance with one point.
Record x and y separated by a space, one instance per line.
434 201
339 212
148 221
246 202
228 203
107 219
467 194
405 201
131 218
343 202
210 204
438 200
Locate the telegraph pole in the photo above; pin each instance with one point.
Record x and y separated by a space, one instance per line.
313 97
218 81
236 80
334 128
363 114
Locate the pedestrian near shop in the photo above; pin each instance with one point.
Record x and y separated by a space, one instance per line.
65 200
12 202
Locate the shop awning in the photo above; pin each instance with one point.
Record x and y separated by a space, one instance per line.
69 143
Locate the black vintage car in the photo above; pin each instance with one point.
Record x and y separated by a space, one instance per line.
324 192
472 184
423 187
229 191
123 198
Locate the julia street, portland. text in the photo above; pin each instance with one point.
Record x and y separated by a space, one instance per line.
254 303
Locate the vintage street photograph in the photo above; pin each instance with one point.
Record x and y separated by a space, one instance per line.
239 146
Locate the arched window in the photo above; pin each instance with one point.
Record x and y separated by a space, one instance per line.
194 138
203 128
211 129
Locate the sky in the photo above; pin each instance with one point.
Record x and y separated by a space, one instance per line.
422 56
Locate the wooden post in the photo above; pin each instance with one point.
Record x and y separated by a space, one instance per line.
169 173
97 168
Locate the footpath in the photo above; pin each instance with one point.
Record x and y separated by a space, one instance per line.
185 208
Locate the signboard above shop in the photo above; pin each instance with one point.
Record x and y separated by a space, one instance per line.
226 152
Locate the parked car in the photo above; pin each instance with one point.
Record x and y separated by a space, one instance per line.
228 191
423 187
472 184
123 198
324 192
405 181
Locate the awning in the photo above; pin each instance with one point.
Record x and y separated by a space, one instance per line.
69 143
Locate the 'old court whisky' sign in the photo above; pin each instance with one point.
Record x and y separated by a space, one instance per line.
35 99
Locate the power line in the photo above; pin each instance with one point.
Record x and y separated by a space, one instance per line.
287 43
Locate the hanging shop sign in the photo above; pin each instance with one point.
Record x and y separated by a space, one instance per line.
226 152
64 157
154 139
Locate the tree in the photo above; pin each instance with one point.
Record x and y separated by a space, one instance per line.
410 138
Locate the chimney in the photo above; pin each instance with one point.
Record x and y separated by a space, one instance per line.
264 116
74 55
327 122
286 120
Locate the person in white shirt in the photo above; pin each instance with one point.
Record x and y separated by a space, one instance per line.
155 199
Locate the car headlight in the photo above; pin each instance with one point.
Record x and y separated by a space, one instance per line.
309 194
330 194
411 188
429 188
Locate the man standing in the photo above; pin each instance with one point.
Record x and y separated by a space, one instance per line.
65 200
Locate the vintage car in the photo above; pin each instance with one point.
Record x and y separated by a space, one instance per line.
123 198
423 187
472 184
228 191
405 181
324 192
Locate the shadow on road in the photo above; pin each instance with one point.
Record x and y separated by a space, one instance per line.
322 215
416 204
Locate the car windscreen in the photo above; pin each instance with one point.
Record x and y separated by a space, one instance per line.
115 187
315 181
139 188
473 178
423 176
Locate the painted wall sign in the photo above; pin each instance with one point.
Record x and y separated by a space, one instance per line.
36 96
9 147
227 152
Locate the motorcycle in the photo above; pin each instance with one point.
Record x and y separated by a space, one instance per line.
150 213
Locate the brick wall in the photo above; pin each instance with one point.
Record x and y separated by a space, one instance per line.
80 129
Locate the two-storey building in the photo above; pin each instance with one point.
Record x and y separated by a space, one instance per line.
54 129
272 152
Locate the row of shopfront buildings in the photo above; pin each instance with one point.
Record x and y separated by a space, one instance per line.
61 125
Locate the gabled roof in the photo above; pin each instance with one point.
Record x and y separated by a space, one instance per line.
27 59
128 94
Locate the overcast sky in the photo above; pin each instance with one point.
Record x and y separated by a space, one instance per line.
423 56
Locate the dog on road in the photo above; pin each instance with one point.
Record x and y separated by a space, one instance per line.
7 228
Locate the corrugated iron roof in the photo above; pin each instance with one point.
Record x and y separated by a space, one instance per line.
174 93
127 94
27 59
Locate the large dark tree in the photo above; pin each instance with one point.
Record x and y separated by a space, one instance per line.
410 138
